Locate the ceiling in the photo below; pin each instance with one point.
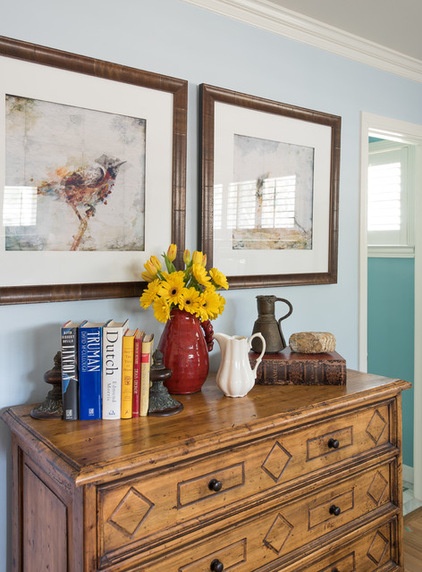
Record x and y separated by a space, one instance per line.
395 24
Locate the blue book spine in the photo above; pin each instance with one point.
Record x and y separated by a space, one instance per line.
90 370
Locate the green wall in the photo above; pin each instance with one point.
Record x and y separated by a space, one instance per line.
391 330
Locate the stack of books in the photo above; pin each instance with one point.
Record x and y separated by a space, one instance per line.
105 370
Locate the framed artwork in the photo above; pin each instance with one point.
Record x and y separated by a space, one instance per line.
270 178
93 173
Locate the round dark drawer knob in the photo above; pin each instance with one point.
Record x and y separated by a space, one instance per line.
335 510
333 443
215 485
216 566
335 569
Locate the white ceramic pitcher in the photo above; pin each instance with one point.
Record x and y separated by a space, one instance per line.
235 376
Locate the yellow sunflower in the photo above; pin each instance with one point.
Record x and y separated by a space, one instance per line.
172 286
150 293
200 274
212 304
190 300
219 278
161 309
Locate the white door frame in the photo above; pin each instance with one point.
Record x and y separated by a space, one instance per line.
410 133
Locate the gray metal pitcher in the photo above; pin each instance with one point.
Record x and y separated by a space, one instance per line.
269 327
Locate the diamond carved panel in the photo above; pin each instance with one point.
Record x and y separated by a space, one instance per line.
377 488
376 427
276 461
278 533
377 548
131 511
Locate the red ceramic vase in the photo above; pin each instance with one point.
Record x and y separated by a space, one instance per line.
185 343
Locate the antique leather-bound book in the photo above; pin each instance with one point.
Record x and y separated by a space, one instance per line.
291 368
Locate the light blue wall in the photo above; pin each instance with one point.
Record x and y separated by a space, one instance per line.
178 39
391 311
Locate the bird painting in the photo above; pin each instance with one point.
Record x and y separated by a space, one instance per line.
83 189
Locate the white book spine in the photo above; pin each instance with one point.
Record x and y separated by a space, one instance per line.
112 369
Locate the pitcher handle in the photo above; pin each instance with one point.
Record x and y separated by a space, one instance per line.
289 311
264 347
283 341
208 333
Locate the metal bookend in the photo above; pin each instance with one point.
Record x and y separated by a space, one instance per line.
161 403
52 406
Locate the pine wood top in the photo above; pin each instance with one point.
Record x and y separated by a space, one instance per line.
88 450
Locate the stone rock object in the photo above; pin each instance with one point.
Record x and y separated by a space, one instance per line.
312 342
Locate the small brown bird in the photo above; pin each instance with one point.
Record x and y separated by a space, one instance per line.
83 189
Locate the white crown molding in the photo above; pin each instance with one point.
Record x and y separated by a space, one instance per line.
266 15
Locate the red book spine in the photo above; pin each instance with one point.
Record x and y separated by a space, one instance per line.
137 375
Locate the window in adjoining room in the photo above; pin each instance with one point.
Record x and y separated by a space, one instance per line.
390 199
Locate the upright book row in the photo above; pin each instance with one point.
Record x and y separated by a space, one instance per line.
105 370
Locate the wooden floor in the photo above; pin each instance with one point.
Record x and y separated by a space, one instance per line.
413 541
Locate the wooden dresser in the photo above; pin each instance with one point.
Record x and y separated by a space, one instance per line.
288 478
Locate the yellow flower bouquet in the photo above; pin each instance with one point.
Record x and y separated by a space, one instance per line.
193 289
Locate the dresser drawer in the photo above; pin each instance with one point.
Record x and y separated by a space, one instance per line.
296 456
272 533
369 552
197 493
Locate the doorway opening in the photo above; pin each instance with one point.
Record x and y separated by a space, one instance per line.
394 131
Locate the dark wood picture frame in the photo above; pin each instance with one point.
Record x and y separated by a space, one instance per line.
210 96
45 56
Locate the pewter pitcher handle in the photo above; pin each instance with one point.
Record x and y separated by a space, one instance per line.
289 312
